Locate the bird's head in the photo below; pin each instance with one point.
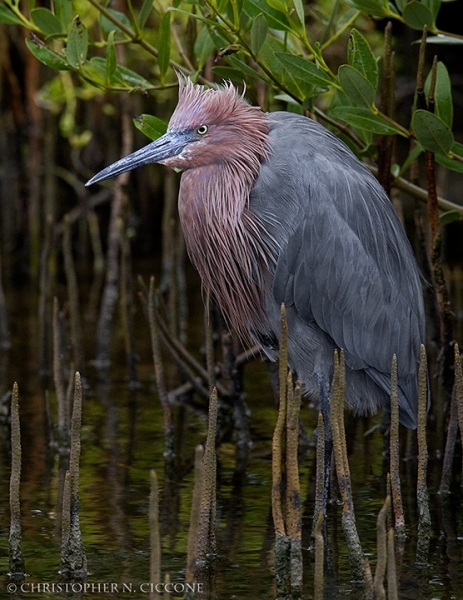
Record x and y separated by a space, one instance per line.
208 126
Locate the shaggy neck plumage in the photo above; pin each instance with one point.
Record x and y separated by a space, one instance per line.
227 243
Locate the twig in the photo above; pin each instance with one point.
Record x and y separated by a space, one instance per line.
381 549
356 555
73 558
17 569
396 491
126 306
73 297
293 492
319 554
194 515
191 367
159 373
110 292
450 443
155 538
386 142
206 549
424 517
4 331
63 408
44 309
319 472
458 387
392 592
208 496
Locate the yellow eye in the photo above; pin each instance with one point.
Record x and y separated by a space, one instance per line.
202 129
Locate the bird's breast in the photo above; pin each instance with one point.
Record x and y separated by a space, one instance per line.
228 248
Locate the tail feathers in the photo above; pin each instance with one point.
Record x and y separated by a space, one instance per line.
407 392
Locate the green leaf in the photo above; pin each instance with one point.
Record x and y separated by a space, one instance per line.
111 58
450 216
275 18
412 156
233 10
451 163
361 57
77 44
287 99
245 69
432 133
63 12
277 5
47 56
448 40
304 70
302 77
363 118
442 94
356 86
220 4
416 15
95 70
164 44
132 79
151 126
300 88
203 48
341 101
433 6
229 73
259 31
8 16
377 8
144 13
206 21
218 37
107 25
300 11
457 148
268 52
269 57
46 21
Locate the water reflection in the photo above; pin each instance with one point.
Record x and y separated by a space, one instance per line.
123 439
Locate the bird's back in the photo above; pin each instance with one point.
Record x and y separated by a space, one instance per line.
344 267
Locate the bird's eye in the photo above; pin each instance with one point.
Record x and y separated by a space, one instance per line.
202 129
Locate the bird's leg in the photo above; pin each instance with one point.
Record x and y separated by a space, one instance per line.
325 404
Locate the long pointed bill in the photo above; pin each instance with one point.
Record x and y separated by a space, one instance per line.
169 145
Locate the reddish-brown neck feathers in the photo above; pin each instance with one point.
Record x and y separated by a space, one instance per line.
225 241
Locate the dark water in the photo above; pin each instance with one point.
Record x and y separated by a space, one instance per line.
122 440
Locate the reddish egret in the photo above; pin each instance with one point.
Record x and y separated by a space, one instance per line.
275 208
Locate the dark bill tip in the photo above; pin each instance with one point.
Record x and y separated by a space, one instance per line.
167 146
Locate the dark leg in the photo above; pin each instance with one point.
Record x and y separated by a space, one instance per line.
325 404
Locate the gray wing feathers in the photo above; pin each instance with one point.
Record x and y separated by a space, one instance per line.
338 263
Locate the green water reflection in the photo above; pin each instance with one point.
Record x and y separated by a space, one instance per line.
122 439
